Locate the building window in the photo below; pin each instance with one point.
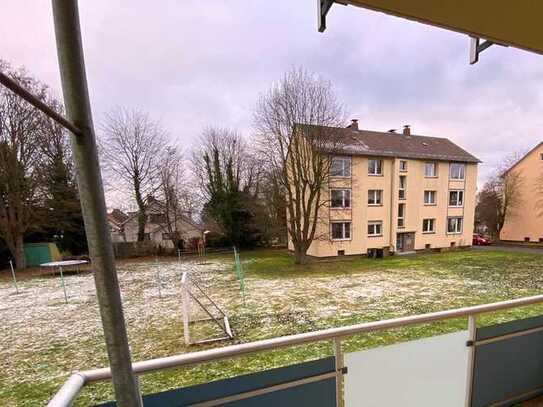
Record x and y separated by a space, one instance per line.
147 236
454 224
341 230
541 156
340 198
456 198
430 170
340 166
403 166
527 239
458 171
375 228
375 197
428 226
375 167
157 218
341 252
403 185
401 215
430 197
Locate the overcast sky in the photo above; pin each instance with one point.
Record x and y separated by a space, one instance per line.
195 63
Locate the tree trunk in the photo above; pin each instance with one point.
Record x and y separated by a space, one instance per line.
142 216
300 255
141 226
19 253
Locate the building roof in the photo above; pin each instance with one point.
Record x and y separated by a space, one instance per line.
522 158
117 217
386 144
153 201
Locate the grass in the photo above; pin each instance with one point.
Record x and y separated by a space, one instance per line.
282 298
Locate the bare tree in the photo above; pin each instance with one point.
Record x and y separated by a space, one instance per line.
64 220
175 194
296 123
274 203
20 162
132 147
501 196
229 178
231 149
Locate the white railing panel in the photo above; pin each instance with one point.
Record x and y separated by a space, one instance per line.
423 373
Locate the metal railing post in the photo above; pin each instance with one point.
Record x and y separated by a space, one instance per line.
93 205
472 337
338 356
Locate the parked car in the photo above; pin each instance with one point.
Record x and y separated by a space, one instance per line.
479 240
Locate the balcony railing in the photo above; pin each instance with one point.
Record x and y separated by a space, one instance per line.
479 366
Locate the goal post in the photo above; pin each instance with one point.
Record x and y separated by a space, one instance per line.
204 302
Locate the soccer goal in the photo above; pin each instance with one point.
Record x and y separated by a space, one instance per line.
195 297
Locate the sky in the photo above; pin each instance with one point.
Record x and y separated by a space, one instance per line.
192 64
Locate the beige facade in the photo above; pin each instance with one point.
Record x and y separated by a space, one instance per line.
526 224
391 235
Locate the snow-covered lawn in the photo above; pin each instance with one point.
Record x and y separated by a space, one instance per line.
44 339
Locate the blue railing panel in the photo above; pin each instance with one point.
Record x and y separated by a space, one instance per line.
320 393
511 368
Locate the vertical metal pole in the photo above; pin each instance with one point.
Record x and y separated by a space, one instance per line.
338 353
158 278
472 337
13 276
63 284
186 307
76 100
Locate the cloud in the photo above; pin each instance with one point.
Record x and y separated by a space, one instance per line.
193 63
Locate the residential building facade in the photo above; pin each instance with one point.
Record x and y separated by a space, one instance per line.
116 219
124 227
526 222
396 193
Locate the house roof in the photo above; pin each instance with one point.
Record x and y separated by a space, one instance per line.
386 144
153 201
117 217
522 158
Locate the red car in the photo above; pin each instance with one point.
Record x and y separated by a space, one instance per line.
479 240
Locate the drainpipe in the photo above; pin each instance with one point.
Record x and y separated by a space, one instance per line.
393 191
93 205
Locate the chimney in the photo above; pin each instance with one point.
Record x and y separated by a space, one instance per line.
406 130
353 125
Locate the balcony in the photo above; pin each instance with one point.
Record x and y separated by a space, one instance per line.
479 366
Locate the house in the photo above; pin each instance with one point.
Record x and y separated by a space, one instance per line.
159 228
395 193
526 223
115 220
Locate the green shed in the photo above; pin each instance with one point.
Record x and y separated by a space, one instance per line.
38 253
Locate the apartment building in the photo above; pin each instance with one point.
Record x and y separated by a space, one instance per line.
396 193
525 224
